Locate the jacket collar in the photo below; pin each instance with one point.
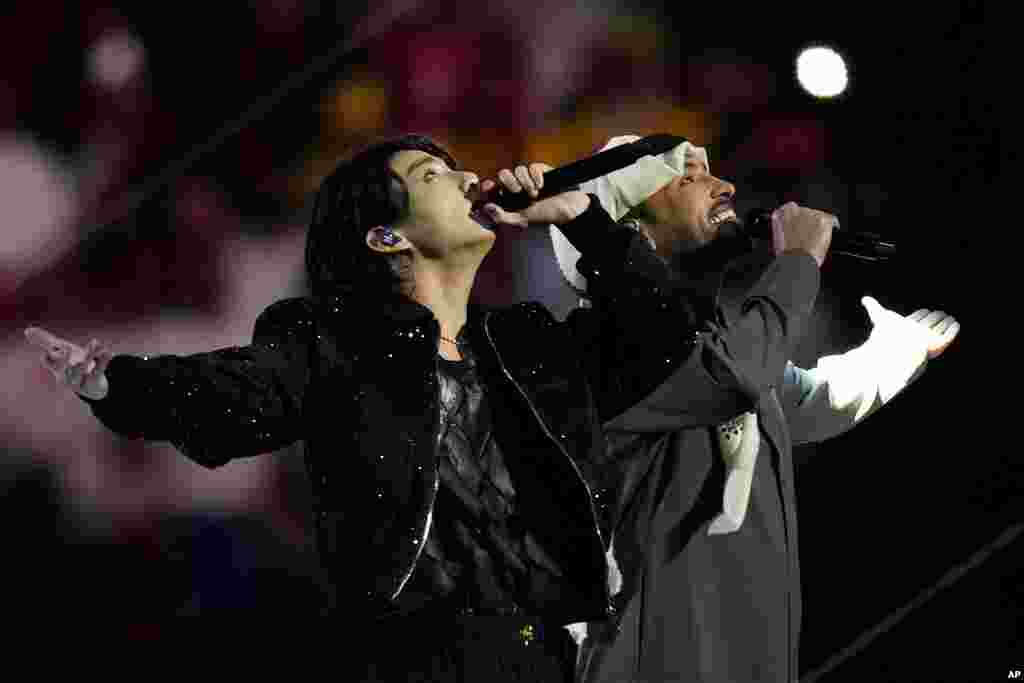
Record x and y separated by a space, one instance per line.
392 306
395 308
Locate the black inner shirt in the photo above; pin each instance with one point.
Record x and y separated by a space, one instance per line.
478 553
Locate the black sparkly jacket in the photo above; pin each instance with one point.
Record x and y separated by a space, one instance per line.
354 377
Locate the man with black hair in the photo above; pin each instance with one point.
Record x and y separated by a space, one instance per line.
455 451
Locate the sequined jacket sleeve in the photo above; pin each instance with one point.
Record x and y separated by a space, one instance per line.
654 344
219 405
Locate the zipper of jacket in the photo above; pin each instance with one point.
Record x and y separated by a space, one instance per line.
437 482
590 496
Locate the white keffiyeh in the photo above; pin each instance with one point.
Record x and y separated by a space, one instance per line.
621 191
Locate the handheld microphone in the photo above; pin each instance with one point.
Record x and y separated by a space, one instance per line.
570 176
866 246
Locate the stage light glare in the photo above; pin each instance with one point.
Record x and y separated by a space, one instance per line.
821 71
40 207
115 59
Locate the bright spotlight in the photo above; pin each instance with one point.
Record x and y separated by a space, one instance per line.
821 71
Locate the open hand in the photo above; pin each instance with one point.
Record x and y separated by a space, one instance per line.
934 330
556 210
80 368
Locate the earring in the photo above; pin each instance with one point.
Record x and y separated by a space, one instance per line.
389 238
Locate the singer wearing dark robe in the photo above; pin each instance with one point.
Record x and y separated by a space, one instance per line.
705 531
462 499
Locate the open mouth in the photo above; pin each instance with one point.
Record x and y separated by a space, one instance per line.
722 215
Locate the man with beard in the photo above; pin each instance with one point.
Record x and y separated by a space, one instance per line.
704 526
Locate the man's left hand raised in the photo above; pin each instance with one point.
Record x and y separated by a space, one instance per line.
934 330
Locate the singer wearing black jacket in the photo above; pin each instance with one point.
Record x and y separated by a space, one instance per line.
705 531
462 491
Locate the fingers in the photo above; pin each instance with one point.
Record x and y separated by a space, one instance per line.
827 218
945 325
55 362
526 180
59 354
505 217
932 318
792 209
70 364
918 315
785 210
944 340
940 327
77 373
537 172
874 309
43 339
945 331
870 302
938 321
89 361
103 358
529 178
74 375
509 180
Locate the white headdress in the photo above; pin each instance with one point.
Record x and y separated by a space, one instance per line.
619 192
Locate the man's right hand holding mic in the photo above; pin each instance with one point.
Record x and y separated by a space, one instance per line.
798 227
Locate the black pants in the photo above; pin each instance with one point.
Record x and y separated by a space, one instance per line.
461 649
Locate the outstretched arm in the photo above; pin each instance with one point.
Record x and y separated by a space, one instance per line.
670 357
213 406
843 390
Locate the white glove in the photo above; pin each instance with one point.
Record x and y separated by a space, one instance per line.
936 330
901 344
895 350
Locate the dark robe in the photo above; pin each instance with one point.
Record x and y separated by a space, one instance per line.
694 607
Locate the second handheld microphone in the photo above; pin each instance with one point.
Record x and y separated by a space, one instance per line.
866 246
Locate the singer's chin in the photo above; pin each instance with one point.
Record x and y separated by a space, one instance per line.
727 242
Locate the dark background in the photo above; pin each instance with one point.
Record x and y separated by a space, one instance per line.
160 205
